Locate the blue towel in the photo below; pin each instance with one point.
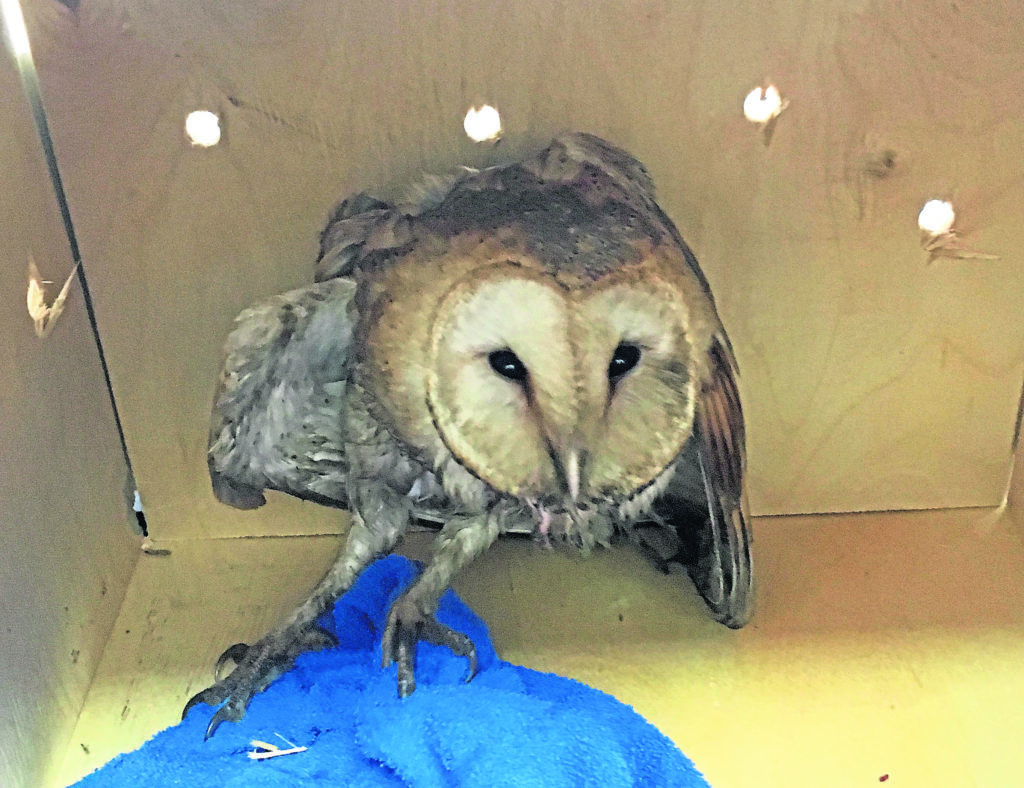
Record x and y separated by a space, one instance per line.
509 726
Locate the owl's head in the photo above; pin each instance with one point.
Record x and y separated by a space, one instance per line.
548 387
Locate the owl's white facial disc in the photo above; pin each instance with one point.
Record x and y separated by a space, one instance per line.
490 422
648 412
545 391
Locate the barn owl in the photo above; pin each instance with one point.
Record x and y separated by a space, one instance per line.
530 346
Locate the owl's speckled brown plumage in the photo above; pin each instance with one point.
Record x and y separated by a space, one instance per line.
528 347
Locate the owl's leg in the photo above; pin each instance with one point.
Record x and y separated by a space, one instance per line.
411 618
258 665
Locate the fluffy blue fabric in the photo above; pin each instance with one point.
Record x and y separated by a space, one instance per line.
509 727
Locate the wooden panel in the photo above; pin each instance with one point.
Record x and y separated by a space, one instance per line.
872 380
837 682
179 614
1015 494
66 548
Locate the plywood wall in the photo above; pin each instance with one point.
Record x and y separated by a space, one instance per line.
66 546
1015 496
872 380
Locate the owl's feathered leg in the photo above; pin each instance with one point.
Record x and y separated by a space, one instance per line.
411 618
258 665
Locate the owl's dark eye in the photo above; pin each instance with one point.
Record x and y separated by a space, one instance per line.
625 357
507 364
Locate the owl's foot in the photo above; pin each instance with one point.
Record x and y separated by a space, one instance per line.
256 667
407 625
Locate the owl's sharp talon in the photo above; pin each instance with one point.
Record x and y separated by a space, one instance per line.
235 653
256 667
232 711
211 696
405 628
211 729
457 642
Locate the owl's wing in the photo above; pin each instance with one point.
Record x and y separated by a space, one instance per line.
723 569
357 228
276 416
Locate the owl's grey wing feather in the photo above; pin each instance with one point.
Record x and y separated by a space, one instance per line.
358 227
723 570
276 417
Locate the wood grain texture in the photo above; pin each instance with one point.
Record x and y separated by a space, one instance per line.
181 611
66 548
871 380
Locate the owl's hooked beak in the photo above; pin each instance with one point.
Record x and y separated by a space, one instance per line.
572 474
569 466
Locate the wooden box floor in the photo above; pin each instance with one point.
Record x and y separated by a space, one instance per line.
885 647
